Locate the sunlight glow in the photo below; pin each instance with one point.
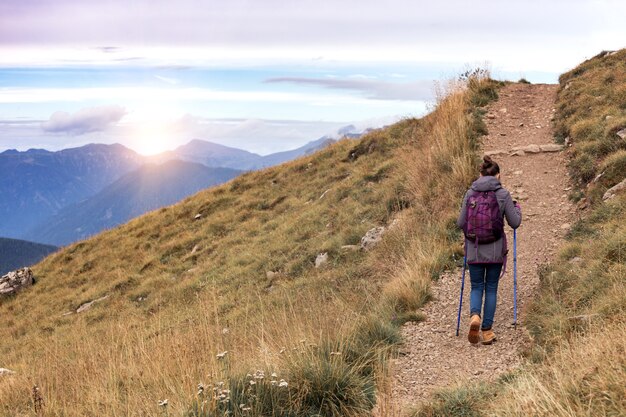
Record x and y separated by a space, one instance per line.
152 126
151 138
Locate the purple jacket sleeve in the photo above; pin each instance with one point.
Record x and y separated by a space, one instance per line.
512 212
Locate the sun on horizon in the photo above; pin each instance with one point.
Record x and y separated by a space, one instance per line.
150 139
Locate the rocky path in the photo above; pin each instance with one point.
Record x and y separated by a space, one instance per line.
432 357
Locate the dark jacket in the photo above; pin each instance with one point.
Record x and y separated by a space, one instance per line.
490 252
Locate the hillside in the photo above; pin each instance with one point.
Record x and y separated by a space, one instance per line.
150 187
225 283
253 298
16 254
37 183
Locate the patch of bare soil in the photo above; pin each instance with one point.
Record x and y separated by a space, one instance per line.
432 356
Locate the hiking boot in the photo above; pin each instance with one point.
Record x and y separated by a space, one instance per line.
488 337
472 336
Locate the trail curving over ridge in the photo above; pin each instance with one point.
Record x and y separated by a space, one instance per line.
432 357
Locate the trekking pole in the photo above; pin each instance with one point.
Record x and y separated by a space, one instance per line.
515 278
458 319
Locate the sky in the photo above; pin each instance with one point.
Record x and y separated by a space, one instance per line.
266 75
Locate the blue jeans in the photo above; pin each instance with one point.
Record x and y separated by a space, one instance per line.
484 279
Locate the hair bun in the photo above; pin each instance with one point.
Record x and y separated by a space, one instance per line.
489 166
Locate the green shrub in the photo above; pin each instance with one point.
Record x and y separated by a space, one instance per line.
483 93
613 168
586 129
570 251
328 386
457 402
582 168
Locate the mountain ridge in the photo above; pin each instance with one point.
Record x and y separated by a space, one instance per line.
17 253
37 184
151 186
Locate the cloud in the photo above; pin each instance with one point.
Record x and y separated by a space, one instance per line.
92 119
107 49
373 89
538 35
256 135
156 94
168 80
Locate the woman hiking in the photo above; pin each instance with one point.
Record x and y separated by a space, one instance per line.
484 208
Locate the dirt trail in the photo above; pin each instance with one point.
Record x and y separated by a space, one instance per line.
432 357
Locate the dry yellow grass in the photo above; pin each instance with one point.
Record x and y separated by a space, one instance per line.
584 377
182 291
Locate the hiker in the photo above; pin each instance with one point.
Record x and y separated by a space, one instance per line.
484 208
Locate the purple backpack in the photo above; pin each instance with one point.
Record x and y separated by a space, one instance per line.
483 222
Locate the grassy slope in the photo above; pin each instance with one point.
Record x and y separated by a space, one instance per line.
272 220
183 289
578 364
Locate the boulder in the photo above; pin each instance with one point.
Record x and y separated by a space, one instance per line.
496 152
15 281
551 148
372 237
529 149
321 259
612 192
621 133
5 371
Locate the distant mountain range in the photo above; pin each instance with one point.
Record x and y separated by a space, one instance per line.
145 189
60 197
216 155
16 254
37 183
